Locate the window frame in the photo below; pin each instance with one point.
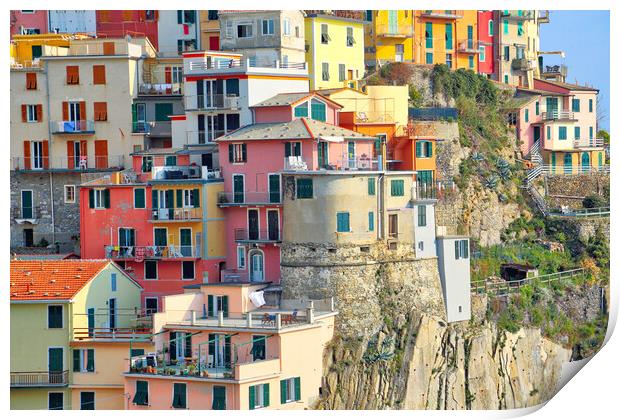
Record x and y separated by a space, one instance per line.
246 25
422 221
241 257
62 317
67 188
31 113
311 188
156 270
134 197
183 270
271 27
83 353
62 394
186 406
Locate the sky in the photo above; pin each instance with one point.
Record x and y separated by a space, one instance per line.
587 51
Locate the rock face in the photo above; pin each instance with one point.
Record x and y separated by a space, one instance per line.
427 364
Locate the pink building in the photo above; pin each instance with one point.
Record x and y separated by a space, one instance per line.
291 131
486 35
28 22
219 347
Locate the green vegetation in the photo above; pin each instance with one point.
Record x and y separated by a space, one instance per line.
594 201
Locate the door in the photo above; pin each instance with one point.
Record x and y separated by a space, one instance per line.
186 242
74 114
470 37
273 224
238 188
219 351
258 347
585 162
568 163
140 118
112 313
257 271
207 160
351 154
27 209
101 154
253 224
323 152
392 22
87 400
28 237
393 226
274 188
36 148
91 321
55 364
536 134
214 43
219 398
151 305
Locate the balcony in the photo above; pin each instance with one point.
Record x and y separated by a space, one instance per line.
558 115
469 46
152 128
234 276
139 253
523 64
192 214
257 236
209 65
112 334
183 173
444 191
203 137
26 214
394 31
244 198
160 89
518 15
39 379
442 14
215 102
587 143
543 16
72 127
76 164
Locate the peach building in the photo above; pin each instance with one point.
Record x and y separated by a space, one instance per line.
218 347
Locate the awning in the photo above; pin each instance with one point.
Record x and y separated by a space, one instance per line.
332 139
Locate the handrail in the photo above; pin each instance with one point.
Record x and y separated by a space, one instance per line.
505 287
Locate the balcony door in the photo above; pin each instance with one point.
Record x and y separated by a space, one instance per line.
552 107
209 93
36 148
186 242
257 266
219 351
27 209
112 313
273 225
238 189
253 224
323 154
74 113
55 357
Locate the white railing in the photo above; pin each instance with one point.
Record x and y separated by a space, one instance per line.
86 163
160 89
161 173
208 63
558 115
214 102
295 163
588 143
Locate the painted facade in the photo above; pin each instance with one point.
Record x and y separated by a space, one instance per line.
388 36
72 21
178 31
209 29
454 272
486 38
28 22
136 23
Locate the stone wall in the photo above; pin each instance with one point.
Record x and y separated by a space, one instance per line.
570 190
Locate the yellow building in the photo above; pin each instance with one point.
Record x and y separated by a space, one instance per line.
389 36
209 30
435 37
27 49
56 303
334 51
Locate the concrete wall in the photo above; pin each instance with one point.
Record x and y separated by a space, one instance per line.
455 280
71 21
425 243
169 31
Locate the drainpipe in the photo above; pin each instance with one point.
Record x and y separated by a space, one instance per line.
49 149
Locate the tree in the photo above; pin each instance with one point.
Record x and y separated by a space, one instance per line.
601 112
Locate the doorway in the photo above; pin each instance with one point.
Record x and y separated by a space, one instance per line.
253 225
257 266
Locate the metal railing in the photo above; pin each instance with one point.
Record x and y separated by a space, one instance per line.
157 89
588 143
31 212
268 235
373 117
212 102
558 115
112 334
560 169
178 214
203 137
443 14
72 127
248 197
395 31
295 163
39 379
221 64
86 163
560 69
234 276
161 173
25 64
469 45
152 128
505 287
438 190
151 252
593 212
522 64
354 164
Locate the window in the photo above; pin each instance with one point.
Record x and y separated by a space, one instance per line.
31 113
527 115
590 105
141 396
562 133
490 27
301 110
99 198
147 163
212 15
421 245
506 79
237 153
69 193
113 282
520 28
482 55
259 347
290 390
506 53
324 34
187 268
286 26
219 398
99 75
537 108
305 188
548 132
139 198
342 222
429 58
471 61
150 270
54 316
293 148
577 133
241 257
591 132
319 110
422 216
448 36
191 198
350 39
244 30
55 401
371 221
101 111
186 16
73 75
325 72
576 105
428 35
371 186
397 188
341 72
83 360
31 81
424 149
87 400
505 26
268 27
179 395
461 249
259 396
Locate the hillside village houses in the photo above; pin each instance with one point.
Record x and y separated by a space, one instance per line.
197 161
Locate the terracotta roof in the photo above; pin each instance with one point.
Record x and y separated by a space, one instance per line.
569 86
289 99
51 279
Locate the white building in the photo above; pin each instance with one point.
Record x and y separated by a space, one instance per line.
72 21
424 219
454 272
178 31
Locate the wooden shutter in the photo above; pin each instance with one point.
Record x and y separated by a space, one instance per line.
210 305
83 149
70 155
297 388
168 75
106 198
429 145
108 48
99 75
231 153
225 306
196 197
154 198
76 360
173 345
179 198
211 345
31 81
251 394
283 386
188 345
73 75
244 153
46 154
91 199
101 111
39 112
24 113
265 395
65 111
83 111
101 154
140 200
26 154
418 149
179 16
287 149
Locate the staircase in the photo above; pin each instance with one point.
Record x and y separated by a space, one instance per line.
539 200
537 160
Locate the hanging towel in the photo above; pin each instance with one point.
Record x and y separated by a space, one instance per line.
257 298
185 29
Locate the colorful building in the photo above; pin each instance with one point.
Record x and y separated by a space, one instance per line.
178 31
136 23
209 29
334 50
28 22
486 42
218 347
159 221
436 39
68 320
388 36
26 50
72 21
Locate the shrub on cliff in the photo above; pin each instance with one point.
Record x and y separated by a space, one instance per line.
594 201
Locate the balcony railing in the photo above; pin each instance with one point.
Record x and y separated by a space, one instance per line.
581 143
523 64
543 16
353 164
246 197
26 212
39 379
558 115
366 117
394 31
433 114
203 137
437 190
204 64
518 14
234 276
557 70
166 173
469 46
443 14
72 127
86 163
112 334
180 214
151 252
212 102
269 235
152 128
159 89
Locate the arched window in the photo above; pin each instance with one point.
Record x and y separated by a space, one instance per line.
257 265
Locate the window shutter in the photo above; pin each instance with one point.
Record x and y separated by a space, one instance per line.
139 198
283 384
134 113
251 391
287 146
211 344
188 345
430 148
31 80
90 360
266 395
99 75
106 198
76 360
46 154
70 155
210 305
82 110
179 16
371 186
180 198
225 306
26 154
244 153
154 199
456 250
65 111
39 112
371 221
173 345
418 149
91 199
24 113
297 388
196 197
231 153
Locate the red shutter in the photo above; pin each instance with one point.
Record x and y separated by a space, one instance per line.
168 73
83 149
101 154
70 155
65 111
39 113
24 113
46 154
83 110
26 154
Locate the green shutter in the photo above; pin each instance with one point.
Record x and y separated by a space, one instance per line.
134 114
106 198
283 384
178 401
196 197
456 250
297 389
154 198
179 16
225 306
371 186
397 188
169 199
211 344
287 149
244 152
429 144
179 198
91 199
251 394
139 198
231 153
188 345
90 360
305 188
429 35
266 395
76 360
448 36
418 149
342 222
210 305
